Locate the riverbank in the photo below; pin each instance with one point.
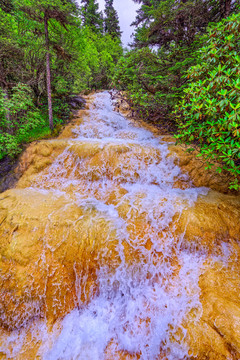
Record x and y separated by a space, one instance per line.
186 156
9 169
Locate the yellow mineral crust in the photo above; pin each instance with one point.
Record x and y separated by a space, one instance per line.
52 246
46 240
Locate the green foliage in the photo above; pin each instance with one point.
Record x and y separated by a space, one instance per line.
18 116
136 74
111 21
82 58
159 22
95 63
209 112
21 121
153 79
91 15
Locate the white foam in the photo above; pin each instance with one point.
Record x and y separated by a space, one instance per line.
142 303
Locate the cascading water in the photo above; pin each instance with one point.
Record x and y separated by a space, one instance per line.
117 171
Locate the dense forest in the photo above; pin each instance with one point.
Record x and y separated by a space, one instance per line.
182 69
50 50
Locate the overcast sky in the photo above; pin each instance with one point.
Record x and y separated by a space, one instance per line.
127 12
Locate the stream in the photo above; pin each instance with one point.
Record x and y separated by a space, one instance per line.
133 284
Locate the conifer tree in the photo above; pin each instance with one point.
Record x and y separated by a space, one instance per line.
161 22
92 17
111 21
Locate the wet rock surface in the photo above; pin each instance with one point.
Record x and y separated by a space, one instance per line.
8 177
76 102
39 266
109 251
195 167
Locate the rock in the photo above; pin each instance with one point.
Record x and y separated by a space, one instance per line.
214 218
8 176
195 167
221 309
76 102
53 244
40 259
37 157
212 227
217 334
119 162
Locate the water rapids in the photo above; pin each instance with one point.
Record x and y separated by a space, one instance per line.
143 282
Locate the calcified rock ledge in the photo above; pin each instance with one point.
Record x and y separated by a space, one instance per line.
108 251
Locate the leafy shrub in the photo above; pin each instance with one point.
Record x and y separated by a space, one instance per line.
18 116
137 73
152 79
209 112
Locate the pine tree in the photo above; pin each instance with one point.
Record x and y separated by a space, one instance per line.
161 22
111 21
92 17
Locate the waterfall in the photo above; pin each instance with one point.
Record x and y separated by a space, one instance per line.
132 296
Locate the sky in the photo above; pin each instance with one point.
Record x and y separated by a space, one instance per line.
126 10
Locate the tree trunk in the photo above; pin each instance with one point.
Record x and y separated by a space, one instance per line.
8 116
225 8
48 74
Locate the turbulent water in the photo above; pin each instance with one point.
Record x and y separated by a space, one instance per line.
143 300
